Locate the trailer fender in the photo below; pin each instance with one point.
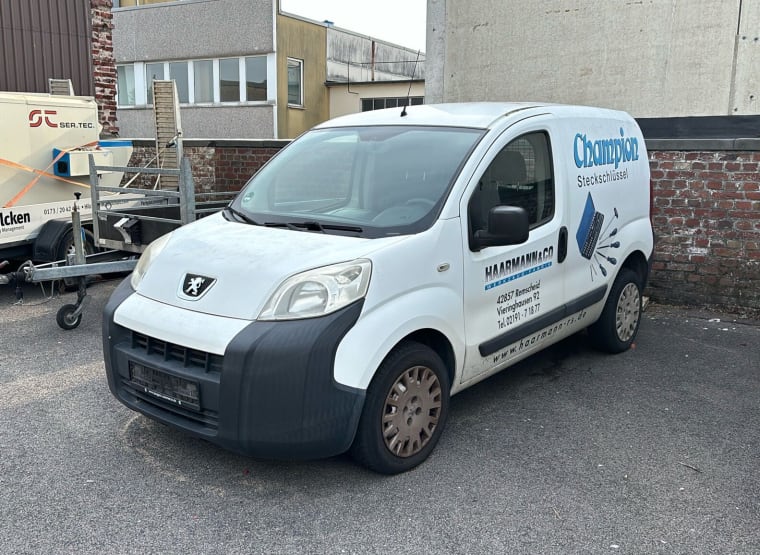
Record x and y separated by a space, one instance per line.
49 242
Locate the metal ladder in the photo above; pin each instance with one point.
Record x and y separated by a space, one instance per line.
168 132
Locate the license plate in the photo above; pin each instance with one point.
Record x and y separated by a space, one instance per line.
178 391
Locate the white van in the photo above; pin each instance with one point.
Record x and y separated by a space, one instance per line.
380 263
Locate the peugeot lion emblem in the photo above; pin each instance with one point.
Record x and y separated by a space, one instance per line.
194 286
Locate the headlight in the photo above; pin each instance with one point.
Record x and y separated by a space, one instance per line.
146 259
319 291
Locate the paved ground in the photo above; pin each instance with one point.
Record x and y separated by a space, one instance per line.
656 450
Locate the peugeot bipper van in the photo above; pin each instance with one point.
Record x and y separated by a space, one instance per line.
379 264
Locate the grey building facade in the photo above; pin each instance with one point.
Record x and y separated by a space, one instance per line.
655 58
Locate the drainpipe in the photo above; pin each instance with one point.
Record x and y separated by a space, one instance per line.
372 64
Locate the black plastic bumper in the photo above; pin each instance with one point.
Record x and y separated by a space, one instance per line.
272 395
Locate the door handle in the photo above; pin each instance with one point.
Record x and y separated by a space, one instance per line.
562 246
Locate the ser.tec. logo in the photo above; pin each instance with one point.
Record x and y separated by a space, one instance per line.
37 117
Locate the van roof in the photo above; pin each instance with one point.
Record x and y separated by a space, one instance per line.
481 115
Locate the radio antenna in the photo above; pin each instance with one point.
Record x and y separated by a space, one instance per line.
411 80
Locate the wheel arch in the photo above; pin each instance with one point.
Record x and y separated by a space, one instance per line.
637 262
439 343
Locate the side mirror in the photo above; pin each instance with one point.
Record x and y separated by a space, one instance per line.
507 225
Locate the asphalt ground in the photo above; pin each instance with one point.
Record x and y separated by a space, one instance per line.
656 450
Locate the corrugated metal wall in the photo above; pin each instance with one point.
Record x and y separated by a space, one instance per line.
41 39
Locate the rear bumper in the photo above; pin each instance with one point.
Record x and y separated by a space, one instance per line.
271 395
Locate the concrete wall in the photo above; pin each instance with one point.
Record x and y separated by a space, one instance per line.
193 29
347 99
197 29
204 122
651 58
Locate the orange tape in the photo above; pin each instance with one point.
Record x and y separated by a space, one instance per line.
41 173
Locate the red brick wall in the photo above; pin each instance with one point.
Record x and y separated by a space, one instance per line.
215 168
706 218
104 65
235 166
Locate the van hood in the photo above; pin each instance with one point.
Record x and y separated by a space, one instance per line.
247 262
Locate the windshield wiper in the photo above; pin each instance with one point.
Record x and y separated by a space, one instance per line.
312 225
240 215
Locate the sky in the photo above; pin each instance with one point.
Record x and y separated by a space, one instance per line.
401 22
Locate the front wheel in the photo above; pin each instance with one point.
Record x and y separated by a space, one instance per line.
405 410
616 328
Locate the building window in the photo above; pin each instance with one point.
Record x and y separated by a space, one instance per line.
203 79
178 72
242 79
295 82
229 80
256 78
153 71
125 85
369 104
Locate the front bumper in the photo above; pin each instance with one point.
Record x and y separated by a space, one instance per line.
271 395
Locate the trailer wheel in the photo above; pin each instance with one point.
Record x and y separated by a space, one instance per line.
67 247
66 318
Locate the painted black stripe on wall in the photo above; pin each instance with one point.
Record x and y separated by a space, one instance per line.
702 127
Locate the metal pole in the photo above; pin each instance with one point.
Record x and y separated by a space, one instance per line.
187 193
95 196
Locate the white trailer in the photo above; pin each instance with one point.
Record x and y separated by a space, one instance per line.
44 150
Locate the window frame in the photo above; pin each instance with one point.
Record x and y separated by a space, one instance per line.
399 101
141 81
299 64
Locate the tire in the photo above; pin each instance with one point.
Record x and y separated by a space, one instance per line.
616 329
66 247
66 319
405 410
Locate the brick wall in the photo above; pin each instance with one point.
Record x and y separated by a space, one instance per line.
104 64
707 221
217 166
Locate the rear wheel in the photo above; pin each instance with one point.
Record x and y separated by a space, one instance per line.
616 328
405 411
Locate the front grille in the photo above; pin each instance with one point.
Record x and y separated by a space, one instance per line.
189 358
204 418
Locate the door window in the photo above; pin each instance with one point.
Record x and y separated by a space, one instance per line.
519 175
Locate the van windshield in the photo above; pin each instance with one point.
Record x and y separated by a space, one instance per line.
368 181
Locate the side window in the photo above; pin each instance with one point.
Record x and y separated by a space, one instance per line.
520 175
